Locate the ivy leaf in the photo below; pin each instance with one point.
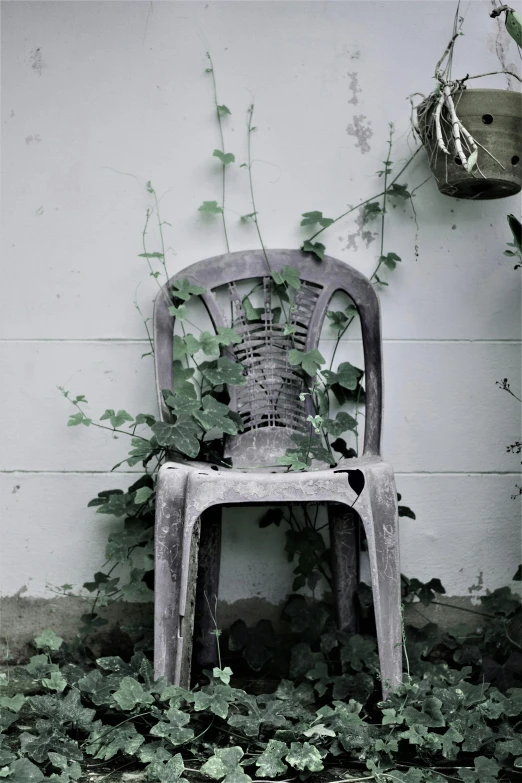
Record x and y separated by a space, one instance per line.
116 419
303 755
56 682
400 191
222 674
390 260
314 247
292 461
24 771
225 764
150 255
371 210
225 157
252 215
222 109
143 494
184 346
223 371
13 703
486 771
287 275
103 744
358 652
215 700
311 218
180 312
99 688
381 282
137 593
251 313
48 640
180 436
448 740
343 422
211 208
227 336
337 319
430 716
310 361
184 289
215 415
209 343
174 727
72 771
78 418
346 376
168 772
270 764
130 693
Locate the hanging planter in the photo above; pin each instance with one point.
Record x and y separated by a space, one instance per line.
473 141
473 137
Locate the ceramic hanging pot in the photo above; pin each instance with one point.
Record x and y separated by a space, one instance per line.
490 123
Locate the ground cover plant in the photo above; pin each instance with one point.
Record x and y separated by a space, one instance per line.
277 707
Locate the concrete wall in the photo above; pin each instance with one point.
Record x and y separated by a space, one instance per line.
100 97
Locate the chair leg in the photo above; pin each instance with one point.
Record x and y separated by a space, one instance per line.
208 585
169 526
380 521
344 546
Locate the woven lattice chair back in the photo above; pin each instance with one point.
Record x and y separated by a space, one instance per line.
273 404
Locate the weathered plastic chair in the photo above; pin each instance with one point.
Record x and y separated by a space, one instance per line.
272 411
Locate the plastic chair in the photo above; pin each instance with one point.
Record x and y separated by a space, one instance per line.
272 411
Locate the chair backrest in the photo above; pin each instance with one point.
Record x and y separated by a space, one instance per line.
269 403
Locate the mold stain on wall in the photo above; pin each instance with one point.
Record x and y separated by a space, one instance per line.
360 128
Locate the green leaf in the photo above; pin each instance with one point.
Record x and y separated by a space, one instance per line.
215 415
222 109
184 289
99 688
371 211
400 191
103 744
223 371
287 275
180 312
13 703
116 419
252 215
211 208
516 230
150 255
251 313
227 336
180 436
292 461
390 260
209 343
78 418
137 593
346 376
448 740
311 218
222 674
303 755
310 361
24 771
168 772
337 319
131 693
343 422
143 494
270 763
225 157
56 682
314 247
225 764
48 640
173 727
184 346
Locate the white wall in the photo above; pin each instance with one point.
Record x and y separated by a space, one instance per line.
98 98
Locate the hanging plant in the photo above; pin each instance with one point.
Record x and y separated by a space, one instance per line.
472 136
